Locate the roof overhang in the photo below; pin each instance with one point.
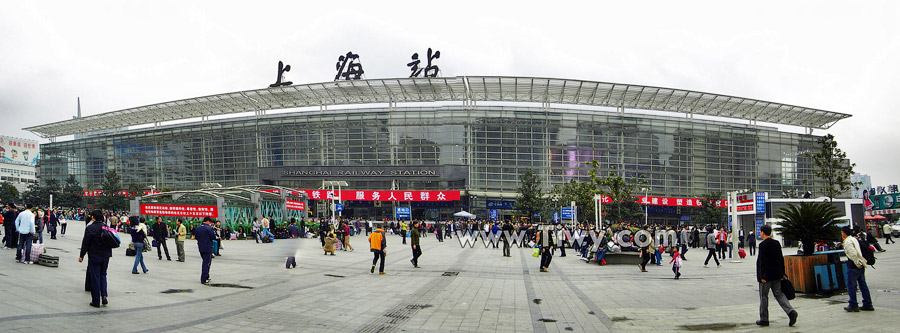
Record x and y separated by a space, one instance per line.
466 89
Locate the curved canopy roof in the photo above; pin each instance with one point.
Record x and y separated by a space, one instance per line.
467 89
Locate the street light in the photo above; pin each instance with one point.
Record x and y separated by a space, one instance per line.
646 208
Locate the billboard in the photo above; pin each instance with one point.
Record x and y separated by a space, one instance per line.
18 151
179 210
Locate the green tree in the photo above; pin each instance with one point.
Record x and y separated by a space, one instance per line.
623 206
8 193
710 214
111 186
39 195
530 197
135 190
72 194
579 191
809 222
833 167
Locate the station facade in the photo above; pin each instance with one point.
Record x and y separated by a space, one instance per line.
468 138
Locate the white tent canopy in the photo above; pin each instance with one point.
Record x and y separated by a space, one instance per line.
464 214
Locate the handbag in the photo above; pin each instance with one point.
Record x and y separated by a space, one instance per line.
155 243
536 252
787 288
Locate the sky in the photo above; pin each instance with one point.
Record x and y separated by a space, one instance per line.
833 55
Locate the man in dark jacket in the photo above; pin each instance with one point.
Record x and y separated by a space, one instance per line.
205 236
52 222
414 243
160 231
545 240
9 226
505 232
769 272
98 259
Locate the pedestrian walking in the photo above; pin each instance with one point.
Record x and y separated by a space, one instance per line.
378 244
722 242
506 233
751 242
52 223
646 248
404 228
685 240
712 246
98 259
138 234
769 272
545 239
414 244
26 230
180 235
160 232
255 229
39 226
347 246
676 263
886 229
62 226
205 235
856 272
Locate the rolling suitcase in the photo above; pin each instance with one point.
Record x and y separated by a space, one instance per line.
48 260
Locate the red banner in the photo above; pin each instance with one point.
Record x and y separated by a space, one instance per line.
295 205
666 201
349 195
125 193
179 210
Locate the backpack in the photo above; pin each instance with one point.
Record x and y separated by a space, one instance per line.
866 251
109 237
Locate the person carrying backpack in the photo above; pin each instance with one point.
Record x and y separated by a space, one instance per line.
856 271
377 244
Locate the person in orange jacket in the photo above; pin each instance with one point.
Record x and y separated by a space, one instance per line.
377 244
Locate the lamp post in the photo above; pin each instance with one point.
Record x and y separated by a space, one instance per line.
646 207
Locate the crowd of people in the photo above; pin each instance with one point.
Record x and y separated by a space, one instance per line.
25 225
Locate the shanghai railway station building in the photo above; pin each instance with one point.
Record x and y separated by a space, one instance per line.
464 139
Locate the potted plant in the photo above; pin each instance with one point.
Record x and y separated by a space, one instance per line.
808 223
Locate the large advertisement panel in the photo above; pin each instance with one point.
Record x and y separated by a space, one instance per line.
18 151
179 210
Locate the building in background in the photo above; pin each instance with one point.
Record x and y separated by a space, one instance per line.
18 161
471 135
866 184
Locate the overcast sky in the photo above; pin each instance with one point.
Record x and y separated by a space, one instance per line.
841 56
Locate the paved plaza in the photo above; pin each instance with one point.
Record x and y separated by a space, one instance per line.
471 289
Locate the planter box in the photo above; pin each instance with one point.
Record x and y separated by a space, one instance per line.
801 271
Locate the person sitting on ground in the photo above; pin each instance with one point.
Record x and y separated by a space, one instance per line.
330 240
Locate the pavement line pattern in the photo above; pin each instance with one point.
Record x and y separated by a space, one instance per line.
586 300
407 308
529 292
154 307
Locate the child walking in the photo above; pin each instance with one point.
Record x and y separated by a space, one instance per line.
676 259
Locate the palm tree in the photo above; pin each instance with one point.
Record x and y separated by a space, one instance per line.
809 222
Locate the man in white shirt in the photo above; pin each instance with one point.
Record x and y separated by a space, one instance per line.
856 272
26 230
